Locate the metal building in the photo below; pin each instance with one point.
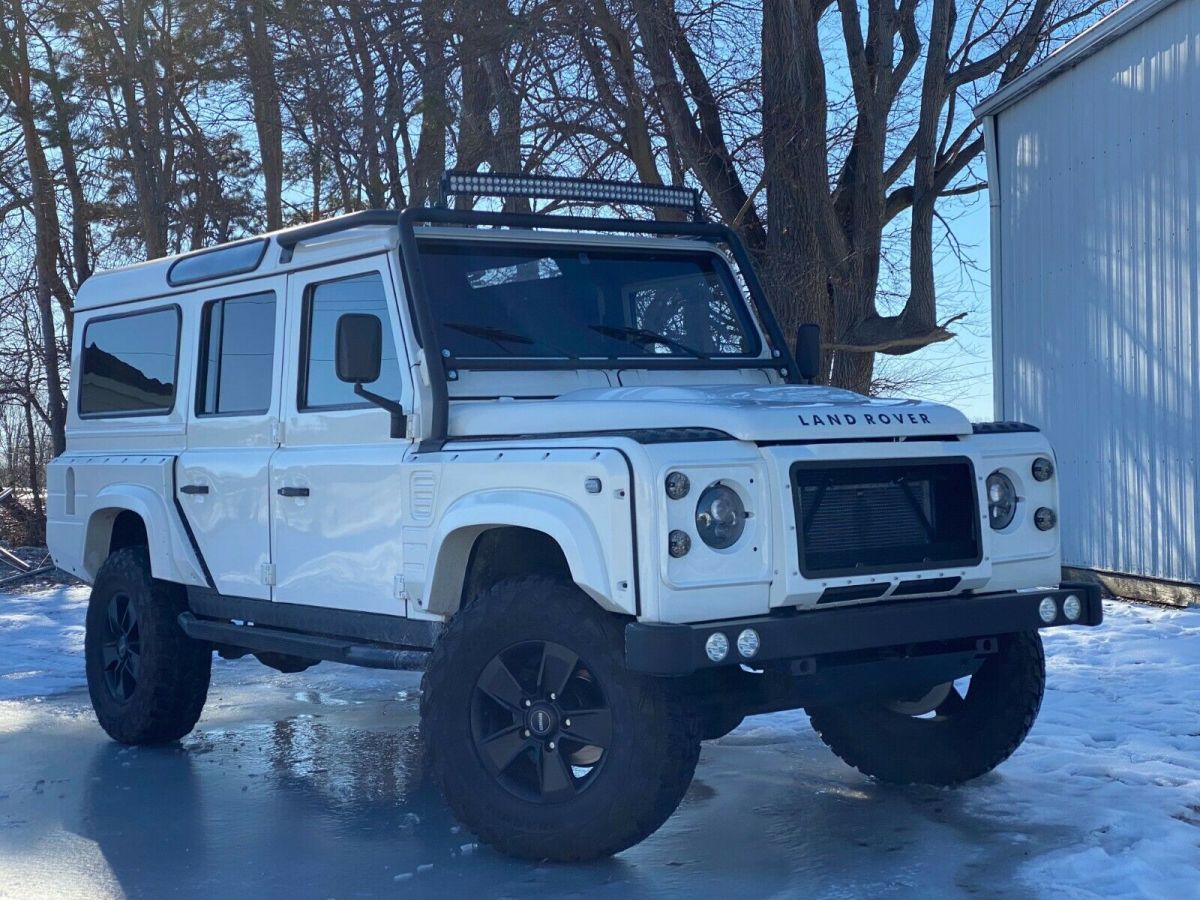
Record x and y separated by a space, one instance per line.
1094 165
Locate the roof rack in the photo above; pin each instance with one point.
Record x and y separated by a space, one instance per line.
553 187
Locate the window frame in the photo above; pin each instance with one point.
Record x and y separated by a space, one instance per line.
302 362
202 357
133 414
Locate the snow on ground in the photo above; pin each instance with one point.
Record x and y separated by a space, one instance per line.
41 641
1103 800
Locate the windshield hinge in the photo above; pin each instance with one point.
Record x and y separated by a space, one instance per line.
267 574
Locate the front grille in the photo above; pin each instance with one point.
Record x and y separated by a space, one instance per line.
902 516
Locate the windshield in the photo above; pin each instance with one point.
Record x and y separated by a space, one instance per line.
508 299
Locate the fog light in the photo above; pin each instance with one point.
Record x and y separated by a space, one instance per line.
1072 608
678 543
717 646
678 485
1043 469
747 642
1048 610
1045 518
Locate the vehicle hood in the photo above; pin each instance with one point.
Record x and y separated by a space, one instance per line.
747 412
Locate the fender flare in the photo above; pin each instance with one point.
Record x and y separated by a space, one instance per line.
564 522
172 557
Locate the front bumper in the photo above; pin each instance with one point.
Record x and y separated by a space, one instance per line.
664 649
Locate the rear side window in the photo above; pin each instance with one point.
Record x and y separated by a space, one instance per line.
325 304
129 363
237 355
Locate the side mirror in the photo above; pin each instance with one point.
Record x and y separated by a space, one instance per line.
359 348
808 351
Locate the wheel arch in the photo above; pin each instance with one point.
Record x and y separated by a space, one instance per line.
122 514
508 533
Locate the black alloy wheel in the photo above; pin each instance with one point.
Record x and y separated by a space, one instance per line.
543 742
122 648
540 722
147 679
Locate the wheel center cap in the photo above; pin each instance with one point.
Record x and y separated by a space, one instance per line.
542 720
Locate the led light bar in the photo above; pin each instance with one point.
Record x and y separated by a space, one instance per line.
550 187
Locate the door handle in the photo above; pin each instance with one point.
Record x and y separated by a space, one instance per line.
292 492
194 489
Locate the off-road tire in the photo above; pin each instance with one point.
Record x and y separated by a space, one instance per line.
174 670
1000 707
654 746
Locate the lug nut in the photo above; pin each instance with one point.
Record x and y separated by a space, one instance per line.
525 733
552 745
528 703
553 696
566 723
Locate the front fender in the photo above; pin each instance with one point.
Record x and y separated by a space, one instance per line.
563 521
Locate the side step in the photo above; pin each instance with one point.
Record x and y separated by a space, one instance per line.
309 646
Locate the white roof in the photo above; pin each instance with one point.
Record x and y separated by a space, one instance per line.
148 280
145 280
1072 53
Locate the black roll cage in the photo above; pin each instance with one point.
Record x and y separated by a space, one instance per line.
439 366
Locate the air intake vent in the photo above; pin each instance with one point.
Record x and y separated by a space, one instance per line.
925 586
853 592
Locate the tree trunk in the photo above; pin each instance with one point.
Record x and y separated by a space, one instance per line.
264 94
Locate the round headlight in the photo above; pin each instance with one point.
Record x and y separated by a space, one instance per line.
720 516
1002 500
1043 469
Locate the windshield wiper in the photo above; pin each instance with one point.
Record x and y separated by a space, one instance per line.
497 336
639 337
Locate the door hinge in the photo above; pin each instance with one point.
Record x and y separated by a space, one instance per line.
398 589
267 573
276 431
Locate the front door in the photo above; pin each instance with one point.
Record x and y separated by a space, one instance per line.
222 479
337 477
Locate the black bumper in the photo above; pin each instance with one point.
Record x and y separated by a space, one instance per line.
660 649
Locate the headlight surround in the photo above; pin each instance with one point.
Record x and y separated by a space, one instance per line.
720 516
1002 500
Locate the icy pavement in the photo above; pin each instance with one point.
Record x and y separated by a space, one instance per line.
309 786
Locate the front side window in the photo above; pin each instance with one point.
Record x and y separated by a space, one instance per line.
540 300
324 305
237 355
128 364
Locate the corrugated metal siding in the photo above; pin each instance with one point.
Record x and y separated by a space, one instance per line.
1099 230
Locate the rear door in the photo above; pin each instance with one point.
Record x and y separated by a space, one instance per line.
337 480
222 480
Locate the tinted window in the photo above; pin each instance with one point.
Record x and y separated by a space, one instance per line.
237 355
128 364
545 301
233 259
327 302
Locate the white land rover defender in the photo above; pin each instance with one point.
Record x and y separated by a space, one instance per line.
576 460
